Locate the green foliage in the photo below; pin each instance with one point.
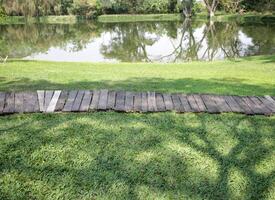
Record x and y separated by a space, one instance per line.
2 12
154 6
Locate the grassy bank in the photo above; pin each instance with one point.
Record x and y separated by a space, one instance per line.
69 19
248 76
139 156
222 17
139 18
245 18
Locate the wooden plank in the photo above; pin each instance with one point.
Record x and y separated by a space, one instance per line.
185 103
41 100
103 100
269 98
152 106
70 101
19 102
95 100
247 110
200 103
137 102
144 102
259 104
9 103
234 106
31 104
210 104
2 101
268 104
53 102
168 102
78 101
85 104
177 103
129 102
222 104
48 98
256 109
120 101
111 100
61 101
193 103
160 103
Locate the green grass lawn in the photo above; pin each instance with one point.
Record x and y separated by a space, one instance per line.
135 156
139 156
251 76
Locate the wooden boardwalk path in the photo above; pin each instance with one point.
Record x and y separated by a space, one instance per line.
121 101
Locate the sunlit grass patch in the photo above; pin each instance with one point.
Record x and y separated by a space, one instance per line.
136 156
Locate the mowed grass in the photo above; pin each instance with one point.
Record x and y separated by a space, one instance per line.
251 76
136 156
139 156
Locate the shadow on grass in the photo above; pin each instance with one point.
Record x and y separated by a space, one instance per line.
232 86
129 156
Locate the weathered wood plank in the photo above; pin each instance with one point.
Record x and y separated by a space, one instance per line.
120 101
193 103
78 101
256 109
53 102
137 102
61 101
85 104
210 104
177 103
41 100
247 110
152 106
185 103
111 100
168 102
200 103
234 106
31 104
222 104
144 102
19 102
9 103
260 105
160 103
70 101
129 102
48 98
95 100
103 100
2 101
268 104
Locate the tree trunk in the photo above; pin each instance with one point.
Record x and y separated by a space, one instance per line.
211 14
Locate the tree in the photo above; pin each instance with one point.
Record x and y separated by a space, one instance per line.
187 8
211 6
232 6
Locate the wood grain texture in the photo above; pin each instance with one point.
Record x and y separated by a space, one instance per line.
122 101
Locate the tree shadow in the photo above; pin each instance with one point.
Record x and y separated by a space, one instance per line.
230 86
133 156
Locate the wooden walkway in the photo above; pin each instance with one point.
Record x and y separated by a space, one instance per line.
104 100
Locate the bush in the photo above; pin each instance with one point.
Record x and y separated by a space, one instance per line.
85 8
154 6
2 13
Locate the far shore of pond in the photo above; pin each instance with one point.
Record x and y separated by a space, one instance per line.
70 19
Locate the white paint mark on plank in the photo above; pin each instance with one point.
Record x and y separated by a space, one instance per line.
53 102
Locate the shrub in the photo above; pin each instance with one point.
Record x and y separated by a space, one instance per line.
154 6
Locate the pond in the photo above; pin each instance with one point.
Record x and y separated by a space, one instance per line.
136 42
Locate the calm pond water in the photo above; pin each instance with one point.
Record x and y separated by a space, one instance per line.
136 42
